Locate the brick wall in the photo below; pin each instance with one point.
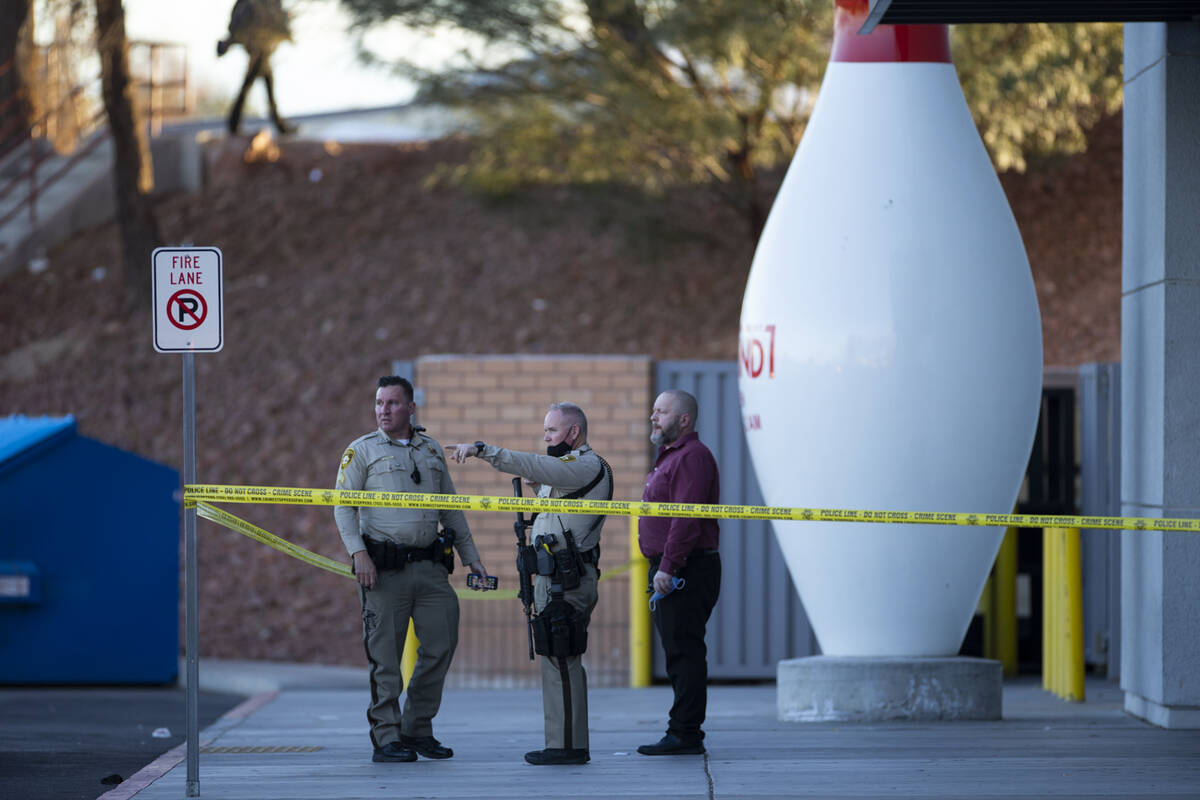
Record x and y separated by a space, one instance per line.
503 401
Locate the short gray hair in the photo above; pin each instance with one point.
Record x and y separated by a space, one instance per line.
574 415
685 403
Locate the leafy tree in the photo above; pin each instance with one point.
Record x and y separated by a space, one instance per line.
1034 90
662 92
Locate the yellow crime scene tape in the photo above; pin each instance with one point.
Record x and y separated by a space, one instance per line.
195 493
239 525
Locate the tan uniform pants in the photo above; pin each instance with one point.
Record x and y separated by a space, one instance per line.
421 591
564 681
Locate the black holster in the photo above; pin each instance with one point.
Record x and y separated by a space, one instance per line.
559 630
568 564
446 542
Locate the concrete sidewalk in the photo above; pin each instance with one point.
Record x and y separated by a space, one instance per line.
303 735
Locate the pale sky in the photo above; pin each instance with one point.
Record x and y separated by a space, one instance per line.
317 72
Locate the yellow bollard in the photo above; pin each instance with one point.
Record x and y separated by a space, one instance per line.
1057 627
1004 604
1047 610
1062 614
408 661
639 613
1073 667
1059 623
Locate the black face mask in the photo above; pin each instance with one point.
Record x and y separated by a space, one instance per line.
558 450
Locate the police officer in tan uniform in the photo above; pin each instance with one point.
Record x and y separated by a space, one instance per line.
402 562
569 469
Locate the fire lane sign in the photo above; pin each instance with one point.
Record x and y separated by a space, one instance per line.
187 300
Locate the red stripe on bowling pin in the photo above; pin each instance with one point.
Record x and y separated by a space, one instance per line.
887 43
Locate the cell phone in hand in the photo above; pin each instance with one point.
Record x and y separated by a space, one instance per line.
481 581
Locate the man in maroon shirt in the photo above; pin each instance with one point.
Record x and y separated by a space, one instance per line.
684 472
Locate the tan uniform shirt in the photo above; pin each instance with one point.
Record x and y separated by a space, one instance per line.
378 463
559 476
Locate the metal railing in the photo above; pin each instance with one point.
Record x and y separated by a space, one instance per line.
157 90
154 92
37 154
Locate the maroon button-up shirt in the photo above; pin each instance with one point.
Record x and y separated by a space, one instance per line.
684 472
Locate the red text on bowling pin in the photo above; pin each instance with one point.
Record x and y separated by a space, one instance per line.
756 350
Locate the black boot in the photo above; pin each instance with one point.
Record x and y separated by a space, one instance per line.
672 745
426 746
393 751
558 755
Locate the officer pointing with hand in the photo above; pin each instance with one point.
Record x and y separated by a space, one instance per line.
402 562
568 556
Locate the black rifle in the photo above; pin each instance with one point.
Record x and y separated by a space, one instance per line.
526 567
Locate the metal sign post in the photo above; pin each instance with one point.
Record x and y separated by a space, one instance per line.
191 593
187 294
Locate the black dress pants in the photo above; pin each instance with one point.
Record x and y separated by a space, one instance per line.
680 619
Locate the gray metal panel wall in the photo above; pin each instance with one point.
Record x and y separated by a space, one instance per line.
759 619
1100 495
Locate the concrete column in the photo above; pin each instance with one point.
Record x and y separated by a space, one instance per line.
1160 366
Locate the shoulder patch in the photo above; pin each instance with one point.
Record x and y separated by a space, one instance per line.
568 458
347 457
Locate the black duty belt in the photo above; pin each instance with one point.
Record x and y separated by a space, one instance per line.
389 555
591 556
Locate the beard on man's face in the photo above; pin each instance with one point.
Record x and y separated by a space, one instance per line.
665 434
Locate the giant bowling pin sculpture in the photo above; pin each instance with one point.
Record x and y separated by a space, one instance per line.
890 347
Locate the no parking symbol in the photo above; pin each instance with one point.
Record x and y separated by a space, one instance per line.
187 300
186 309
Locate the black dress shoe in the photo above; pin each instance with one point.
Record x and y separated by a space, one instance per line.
393 751
426 746
558 755
672 745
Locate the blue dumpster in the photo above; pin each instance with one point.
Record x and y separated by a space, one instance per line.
89 559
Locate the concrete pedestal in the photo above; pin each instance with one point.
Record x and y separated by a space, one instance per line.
832 688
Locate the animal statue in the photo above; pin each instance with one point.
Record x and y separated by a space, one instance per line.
259 26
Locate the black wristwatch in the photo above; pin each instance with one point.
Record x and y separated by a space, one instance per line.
479 448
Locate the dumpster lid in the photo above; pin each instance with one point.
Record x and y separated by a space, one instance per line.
18 433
